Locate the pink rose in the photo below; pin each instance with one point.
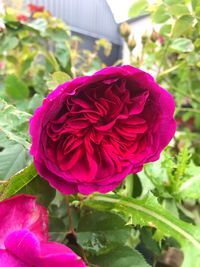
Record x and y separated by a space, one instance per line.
24 237
93 131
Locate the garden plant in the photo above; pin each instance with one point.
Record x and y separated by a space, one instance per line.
100 165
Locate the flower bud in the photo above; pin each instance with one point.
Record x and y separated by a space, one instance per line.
131 44
125 30
154 36
144 39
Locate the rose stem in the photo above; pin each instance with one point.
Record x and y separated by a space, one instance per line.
71 225
71 229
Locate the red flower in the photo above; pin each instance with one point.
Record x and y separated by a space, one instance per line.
34 8
93 131
22 18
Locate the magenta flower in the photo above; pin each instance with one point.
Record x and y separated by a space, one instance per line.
24 237
91 132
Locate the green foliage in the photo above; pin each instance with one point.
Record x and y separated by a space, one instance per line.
16 88
101 232
122 256
138 8
27 181
14 124
12 160
182 25
182 45
15 183
148 212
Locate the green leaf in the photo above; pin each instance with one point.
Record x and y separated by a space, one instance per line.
138 8
14 123
148 212
195 4
178 10
17 182
182 45
51 59
16 88
165 29
39 24
190 188
121 256
8 42
171 2
160 15
182 25
58 34
40 188
60 77
62 54
12 159
100 232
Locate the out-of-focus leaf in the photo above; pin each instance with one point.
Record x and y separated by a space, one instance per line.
14 123
58 34
195 4
182 45
182 24
148 212
160 15
138 8
178 10
121 256
100 232
165 29
62 54
8 42
35 102
39 24
60 77
16 88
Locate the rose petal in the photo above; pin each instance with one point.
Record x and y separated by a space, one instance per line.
22 211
